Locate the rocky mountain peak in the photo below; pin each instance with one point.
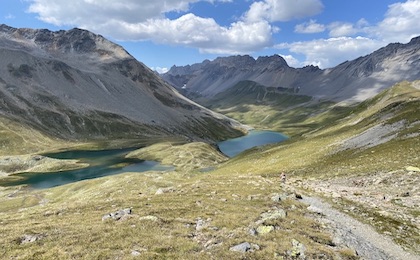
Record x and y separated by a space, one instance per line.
415 41
238 61
272 61
73 42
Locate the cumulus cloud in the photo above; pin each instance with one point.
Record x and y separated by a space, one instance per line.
310 27
401 22
284 10
145 20
160 70
291 61
89 12
338 29
326 53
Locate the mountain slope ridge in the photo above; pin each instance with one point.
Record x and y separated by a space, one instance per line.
78 85
351 81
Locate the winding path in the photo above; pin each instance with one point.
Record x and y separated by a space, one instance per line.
368 243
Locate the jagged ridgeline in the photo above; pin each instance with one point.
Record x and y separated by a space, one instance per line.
76 85
350 81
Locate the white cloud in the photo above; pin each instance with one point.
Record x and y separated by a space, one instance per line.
338 29
160 70
284 10
310 27
292 61
401 22
326 53
87 13
145 20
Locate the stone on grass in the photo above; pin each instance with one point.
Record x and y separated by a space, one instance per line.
261 230
30 238
278 197
243 247
298 250
273 215
120 214
164 190
135 253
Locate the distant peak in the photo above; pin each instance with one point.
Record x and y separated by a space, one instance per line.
272 60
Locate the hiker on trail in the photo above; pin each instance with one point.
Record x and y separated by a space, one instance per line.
283 177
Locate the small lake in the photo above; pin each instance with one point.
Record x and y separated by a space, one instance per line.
109 162
235 146
102 163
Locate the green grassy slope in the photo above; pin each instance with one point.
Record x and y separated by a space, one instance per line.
228 201
269 108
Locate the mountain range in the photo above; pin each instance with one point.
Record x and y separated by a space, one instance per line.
351 81
77 85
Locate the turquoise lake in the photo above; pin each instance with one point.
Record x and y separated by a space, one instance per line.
233 147
102 163
109 162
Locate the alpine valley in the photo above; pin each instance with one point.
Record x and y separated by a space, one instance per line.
351 178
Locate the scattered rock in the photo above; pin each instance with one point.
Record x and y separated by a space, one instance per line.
135 253
261 230
30 238
243 247
120 214
164 190
298 250
272 215
252 232
298 196
315 209
201 223
278 197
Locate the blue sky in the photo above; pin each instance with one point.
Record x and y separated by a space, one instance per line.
162 33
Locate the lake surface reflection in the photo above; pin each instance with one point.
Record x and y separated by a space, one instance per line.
102 163
233 147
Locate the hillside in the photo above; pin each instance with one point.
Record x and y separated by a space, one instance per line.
77 86
352 163
352 81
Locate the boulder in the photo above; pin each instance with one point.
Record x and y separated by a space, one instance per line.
243 247
298 250
30 238
261 230
273 215
117 215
